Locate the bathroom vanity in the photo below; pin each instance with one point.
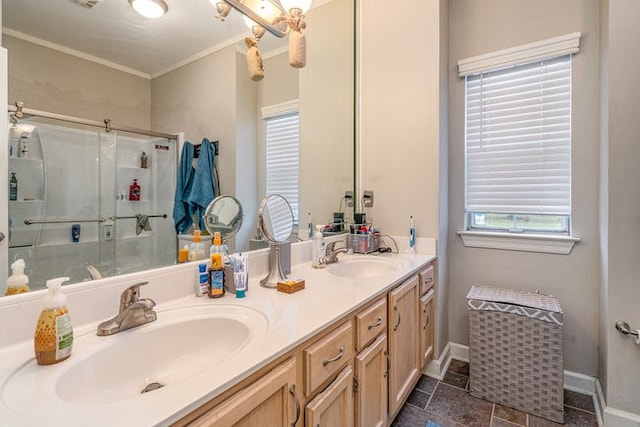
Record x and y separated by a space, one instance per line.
346 350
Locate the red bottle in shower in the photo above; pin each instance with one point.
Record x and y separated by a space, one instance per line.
134 191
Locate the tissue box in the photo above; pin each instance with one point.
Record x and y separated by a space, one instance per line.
516 350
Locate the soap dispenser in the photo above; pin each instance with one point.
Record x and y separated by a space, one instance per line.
53 338
18 282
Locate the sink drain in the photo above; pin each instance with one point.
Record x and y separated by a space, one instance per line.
151 386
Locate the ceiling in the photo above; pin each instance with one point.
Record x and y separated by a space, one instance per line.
114 33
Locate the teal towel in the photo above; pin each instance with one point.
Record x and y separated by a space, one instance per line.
204 188
432 424
182 211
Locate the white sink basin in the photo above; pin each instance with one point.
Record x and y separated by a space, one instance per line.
361 268
181 343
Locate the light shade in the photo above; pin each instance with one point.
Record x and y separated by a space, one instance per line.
150 8
303 5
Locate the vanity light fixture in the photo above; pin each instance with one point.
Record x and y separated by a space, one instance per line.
279 17
150 8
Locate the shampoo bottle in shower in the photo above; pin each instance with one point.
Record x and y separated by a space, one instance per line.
134 191
24 145
13 187
53 338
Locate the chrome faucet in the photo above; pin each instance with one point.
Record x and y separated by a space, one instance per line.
134 311
331 254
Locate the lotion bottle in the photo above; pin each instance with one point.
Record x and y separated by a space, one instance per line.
18 282
319 248
53 338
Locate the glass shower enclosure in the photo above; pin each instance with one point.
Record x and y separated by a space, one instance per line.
88 203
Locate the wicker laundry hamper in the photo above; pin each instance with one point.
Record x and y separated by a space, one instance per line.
515 350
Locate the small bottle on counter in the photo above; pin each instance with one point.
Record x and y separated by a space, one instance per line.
216 277
202 282
319 248
144 161
196 249
18 282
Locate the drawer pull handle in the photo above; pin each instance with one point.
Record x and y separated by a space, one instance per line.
326 361
395 327
426 323
292 391
378 323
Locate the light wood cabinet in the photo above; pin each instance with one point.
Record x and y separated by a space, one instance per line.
404 339
334 405
327 356
270 401
370 323
358 371
371 384
426 325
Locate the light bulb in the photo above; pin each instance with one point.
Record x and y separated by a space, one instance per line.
150 8
303 5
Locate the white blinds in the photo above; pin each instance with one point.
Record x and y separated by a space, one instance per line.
282 134
518 139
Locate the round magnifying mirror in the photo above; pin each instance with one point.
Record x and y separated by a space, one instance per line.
275 221
224 214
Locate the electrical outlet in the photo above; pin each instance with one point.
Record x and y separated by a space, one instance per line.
348 199
367 199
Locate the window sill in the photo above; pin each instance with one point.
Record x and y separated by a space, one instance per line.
519 242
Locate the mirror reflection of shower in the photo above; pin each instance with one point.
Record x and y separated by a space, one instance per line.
70 208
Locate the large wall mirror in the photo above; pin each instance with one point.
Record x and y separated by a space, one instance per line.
183 73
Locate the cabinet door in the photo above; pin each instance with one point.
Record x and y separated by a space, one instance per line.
270 401
426 325
372 369
404 343
334 406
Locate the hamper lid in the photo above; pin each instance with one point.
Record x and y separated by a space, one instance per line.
523 303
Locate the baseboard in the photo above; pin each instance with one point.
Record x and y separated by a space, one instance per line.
599 403
616 418
438 367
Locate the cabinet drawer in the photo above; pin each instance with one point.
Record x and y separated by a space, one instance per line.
370 323
427 279
327 356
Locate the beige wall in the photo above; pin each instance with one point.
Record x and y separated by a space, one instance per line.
49 80
622 292
483 26
403 125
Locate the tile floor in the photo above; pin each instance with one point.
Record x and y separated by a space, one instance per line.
448 404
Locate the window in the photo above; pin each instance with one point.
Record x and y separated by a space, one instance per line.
518 148
282 140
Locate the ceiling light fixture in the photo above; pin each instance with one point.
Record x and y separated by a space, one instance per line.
150 8
279 18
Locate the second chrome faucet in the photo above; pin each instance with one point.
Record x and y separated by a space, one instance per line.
134 311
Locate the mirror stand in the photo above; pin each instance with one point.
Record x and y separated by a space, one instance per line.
275 274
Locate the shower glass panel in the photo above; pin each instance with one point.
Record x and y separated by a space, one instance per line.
73 214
